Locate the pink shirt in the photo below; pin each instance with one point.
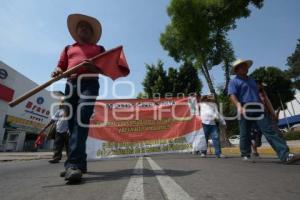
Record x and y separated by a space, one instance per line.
76 53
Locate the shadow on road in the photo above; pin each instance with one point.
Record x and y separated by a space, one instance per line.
121 174
91 177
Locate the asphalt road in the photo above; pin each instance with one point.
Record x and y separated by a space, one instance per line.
176 176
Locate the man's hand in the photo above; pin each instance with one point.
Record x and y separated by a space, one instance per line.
241 110
56 72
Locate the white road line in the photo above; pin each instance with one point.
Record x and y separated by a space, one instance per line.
135 189
172 190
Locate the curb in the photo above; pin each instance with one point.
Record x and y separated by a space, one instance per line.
262 151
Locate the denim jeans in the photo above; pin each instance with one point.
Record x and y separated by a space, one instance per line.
78 133
213 132
61 140
265 126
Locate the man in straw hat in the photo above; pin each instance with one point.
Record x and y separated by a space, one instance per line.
86 31
244 94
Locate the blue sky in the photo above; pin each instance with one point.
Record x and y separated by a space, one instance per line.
33 33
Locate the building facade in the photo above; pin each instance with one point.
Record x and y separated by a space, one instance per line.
20 125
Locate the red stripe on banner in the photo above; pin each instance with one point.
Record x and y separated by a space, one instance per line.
6 93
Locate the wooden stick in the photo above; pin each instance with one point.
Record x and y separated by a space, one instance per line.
43 86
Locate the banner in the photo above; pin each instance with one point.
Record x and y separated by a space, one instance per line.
142 121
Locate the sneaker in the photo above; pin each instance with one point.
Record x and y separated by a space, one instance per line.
53 161
292 158
203 155
63 173
73 175
195 152
247 159
221 156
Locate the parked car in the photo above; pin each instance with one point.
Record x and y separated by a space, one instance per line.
234 140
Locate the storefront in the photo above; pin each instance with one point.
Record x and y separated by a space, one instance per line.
20 125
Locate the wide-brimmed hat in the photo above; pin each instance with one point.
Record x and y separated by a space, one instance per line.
238 62
74 19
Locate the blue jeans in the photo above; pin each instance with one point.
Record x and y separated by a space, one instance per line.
78 134
213 132
265 126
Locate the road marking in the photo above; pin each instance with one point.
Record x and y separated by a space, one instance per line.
135 189
172 190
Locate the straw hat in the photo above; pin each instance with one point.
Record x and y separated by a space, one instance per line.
238 62
74 19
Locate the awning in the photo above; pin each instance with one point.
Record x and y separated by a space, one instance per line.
289 120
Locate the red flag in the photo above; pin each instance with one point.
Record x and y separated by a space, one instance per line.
39 140
112 63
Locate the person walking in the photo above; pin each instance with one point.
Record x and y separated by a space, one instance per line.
80 93
210 118
61 133
244 94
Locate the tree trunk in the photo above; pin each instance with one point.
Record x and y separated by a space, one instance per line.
227 77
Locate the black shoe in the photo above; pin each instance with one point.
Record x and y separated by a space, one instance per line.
53 161
73 175
63 173
255 155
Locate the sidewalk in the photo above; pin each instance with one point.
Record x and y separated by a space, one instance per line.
265 149
21 156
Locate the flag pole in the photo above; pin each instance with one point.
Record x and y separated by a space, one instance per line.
43 86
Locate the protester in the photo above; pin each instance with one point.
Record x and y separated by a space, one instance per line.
61 133
244 94
86 31
210 118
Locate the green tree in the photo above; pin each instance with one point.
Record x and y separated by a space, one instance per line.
173 81
227 55
157 81
293 62
278 86
198 32
188 80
